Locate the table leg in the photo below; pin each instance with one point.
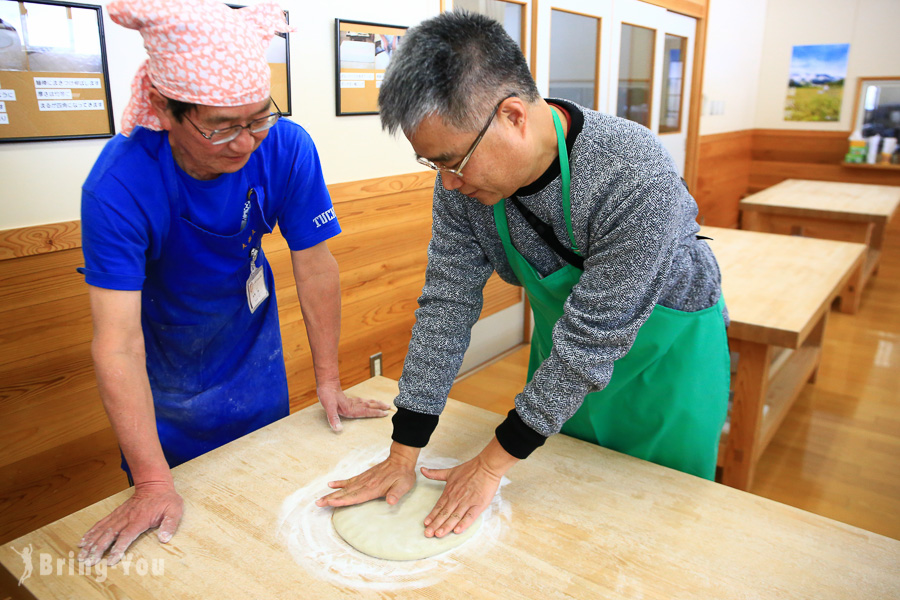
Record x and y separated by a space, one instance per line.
750 387
852 292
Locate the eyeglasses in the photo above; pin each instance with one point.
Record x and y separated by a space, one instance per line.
223 136
457 170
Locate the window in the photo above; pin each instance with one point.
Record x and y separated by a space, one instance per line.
672 83
509 14
635 73
574 48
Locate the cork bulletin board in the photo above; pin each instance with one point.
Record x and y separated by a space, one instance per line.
54 81
362 53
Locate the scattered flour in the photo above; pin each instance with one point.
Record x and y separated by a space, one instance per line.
309 535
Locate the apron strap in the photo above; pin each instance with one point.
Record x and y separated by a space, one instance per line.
546 232
566 179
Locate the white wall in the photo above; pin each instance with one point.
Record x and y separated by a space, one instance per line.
734 44
42 180
869 26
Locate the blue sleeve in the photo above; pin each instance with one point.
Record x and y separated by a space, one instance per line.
308 216
114 241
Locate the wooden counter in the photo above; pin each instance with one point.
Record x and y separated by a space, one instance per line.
576 521
779 290
848 212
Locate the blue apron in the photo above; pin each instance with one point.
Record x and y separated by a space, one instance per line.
216 369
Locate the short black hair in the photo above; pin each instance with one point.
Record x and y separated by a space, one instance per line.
457 65
178 108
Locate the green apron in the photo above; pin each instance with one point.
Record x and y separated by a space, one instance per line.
668 397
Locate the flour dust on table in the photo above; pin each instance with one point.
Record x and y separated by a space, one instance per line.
312 541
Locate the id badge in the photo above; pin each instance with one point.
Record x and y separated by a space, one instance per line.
257 291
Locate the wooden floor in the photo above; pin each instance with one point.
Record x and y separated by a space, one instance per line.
837 453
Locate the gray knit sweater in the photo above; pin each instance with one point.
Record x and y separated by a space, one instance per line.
635 224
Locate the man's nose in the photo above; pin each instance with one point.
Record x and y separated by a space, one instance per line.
243 143
450 181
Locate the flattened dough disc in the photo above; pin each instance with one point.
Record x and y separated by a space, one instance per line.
397 532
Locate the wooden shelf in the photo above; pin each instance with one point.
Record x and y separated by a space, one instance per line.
790 370
883 166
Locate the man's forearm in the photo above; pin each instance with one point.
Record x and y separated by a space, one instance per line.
125 391
320 302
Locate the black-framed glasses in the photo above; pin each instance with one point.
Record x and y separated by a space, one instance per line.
223 136
457 170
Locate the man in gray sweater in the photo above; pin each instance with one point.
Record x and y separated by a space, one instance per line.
588 213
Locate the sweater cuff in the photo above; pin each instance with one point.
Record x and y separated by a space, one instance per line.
412 428
517 438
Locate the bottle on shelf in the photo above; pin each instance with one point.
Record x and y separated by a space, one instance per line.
872 146
857 150
888 147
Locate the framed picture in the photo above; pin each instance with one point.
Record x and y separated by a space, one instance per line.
362 53
279 58
54 80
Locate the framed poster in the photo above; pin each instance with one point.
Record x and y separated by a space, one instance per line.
54 80
279 58
816 83
362 53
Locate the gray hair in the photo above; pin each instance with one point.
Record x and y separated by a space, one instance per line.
457 66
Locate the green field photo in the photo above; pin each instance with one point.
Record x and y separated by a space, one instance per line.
814 103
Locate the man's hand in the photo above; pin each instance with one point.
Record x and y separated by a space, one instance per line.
470 488
337 405
392 479
153 504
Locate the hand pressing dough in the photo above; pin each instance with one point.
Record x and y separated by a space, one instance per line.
397 532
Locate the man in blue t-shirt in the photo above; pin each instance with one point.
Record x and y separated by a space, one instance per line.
187 346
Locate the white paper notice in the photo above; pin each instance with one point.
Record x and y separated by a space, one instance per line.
53 94
8 95
4 119
353 84
357 76
70 105
2 107
67 82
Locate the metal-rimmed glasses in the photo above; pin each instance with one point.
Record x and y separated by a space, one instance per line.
457 170
218 137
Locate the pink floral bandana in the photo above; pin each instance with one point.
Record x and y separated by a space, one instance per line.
200 52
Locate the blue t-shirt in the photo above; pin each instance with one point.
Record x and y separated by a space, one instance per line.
126 211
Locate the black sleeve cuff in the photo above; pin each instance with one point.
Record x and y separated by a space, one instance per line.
412 428
517 438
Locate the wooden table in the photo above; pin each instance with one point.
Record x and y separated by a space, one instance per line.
848 212
778 290
576 521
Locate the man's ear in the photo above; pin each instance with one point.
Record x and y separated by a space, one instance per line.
160 106
514 113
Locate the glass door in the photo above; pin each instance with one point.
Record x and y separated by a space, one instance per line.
675 91
652 76
574 57
573 50
512 14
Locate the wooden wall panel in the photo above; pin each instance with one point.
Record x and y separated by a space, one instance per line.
738 163
57 450
723 175
780 154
